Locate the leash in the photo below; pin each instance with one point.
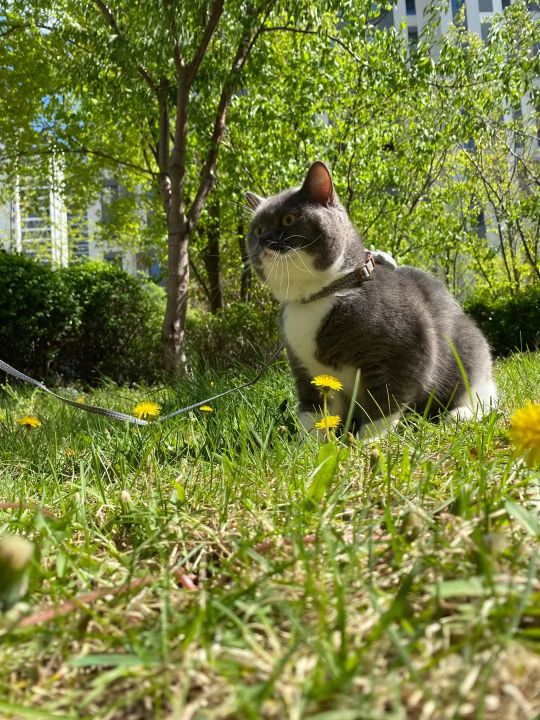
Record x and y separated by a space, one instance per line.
115 415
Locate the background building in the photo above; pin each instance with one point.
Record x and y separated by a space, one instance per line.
36 221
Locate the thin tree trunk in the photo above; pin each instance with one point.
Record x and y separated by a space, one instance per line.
177 296
181 221
212 258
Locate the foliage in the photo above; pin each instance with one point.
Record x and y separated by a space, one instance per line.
510 322
405 588
38 314
86 322
241 333
120 322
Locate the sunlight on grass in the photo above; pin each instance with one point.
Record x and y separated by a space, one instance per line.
224 563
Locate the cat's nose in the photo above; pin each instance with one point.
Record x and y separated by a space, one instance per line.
267 239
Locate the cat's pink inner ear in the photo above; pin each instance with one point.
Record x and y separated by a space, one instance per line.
318 183
253 200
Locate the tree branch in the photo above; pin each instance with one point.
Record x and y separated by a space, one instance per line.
111 20
245 46
11 30
82 150
215 13
163 144
305 31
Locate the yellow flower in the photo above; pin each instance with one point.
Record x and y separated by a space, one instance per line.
80 400
29 421
327 382
206 408
328 422
146 409
525 433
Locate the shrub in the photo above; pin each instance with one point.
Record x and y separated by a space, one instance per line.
119 335
241 333
510 322
37 314
84 322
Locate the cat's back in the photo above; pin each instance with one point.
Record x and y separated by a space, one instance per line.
426 285
406 296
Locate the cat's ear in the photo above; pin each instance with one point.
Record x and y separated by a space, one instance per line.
253 200
318 184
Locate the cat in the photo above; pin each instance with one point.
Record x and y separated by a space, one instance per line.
401 327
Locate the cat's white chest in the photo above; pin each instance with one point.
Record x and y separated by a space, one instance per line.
301 324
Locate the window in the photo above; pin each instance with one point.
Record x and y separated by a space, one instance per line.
413 36
484 30
481 225
386 20
456 6
109 196
485 5
410 6
505 4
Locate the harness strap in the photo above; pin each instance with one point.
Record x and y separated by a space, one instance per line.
351 279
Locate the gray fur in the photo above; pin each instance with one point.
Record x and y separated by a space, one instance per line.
398 328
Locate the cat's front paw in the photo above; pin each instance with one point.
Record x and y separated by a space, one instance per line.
383 258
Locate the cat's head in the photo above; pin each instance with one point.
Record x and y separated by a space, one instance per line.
302 239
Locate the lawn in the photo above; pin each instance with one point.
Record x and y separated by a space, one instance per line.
218 584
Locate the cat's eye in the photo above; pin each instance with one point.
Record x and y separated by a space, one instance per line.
288 219
257 230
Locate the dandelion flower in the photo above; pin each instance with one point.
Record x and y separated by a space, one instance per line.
29 422
206 409
327 382
525 433
80 400
328 422
146 409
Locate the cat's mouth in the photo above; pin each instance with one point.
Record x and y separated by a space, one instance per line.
275 247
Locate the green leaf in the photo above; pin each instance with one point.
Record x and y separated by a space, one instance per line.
462 587
179 492
107 660
18 711
529 522
328 459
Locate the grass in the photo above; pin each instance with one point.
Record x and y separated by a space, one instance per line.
404 585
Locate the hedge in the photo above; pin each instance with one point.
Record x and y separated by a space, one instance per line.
85 322
510 322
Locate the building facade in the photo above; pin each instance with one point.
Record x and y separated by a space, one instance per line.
37 222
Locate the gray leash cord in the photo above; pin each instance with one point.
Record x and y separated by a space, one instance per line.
115 415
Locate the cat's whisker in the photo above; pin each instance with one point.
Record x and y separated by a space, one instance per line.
300 270
303 237
310 272
249 209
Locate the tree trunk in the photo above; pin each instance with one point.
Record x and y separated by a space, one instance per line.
212 258
177 295
181 221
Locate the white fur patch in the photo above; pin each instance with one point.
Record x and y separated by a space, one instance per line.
482 401
291 276
301 324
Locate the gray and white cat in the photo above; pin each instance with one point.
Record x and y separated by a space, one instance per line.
398 328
